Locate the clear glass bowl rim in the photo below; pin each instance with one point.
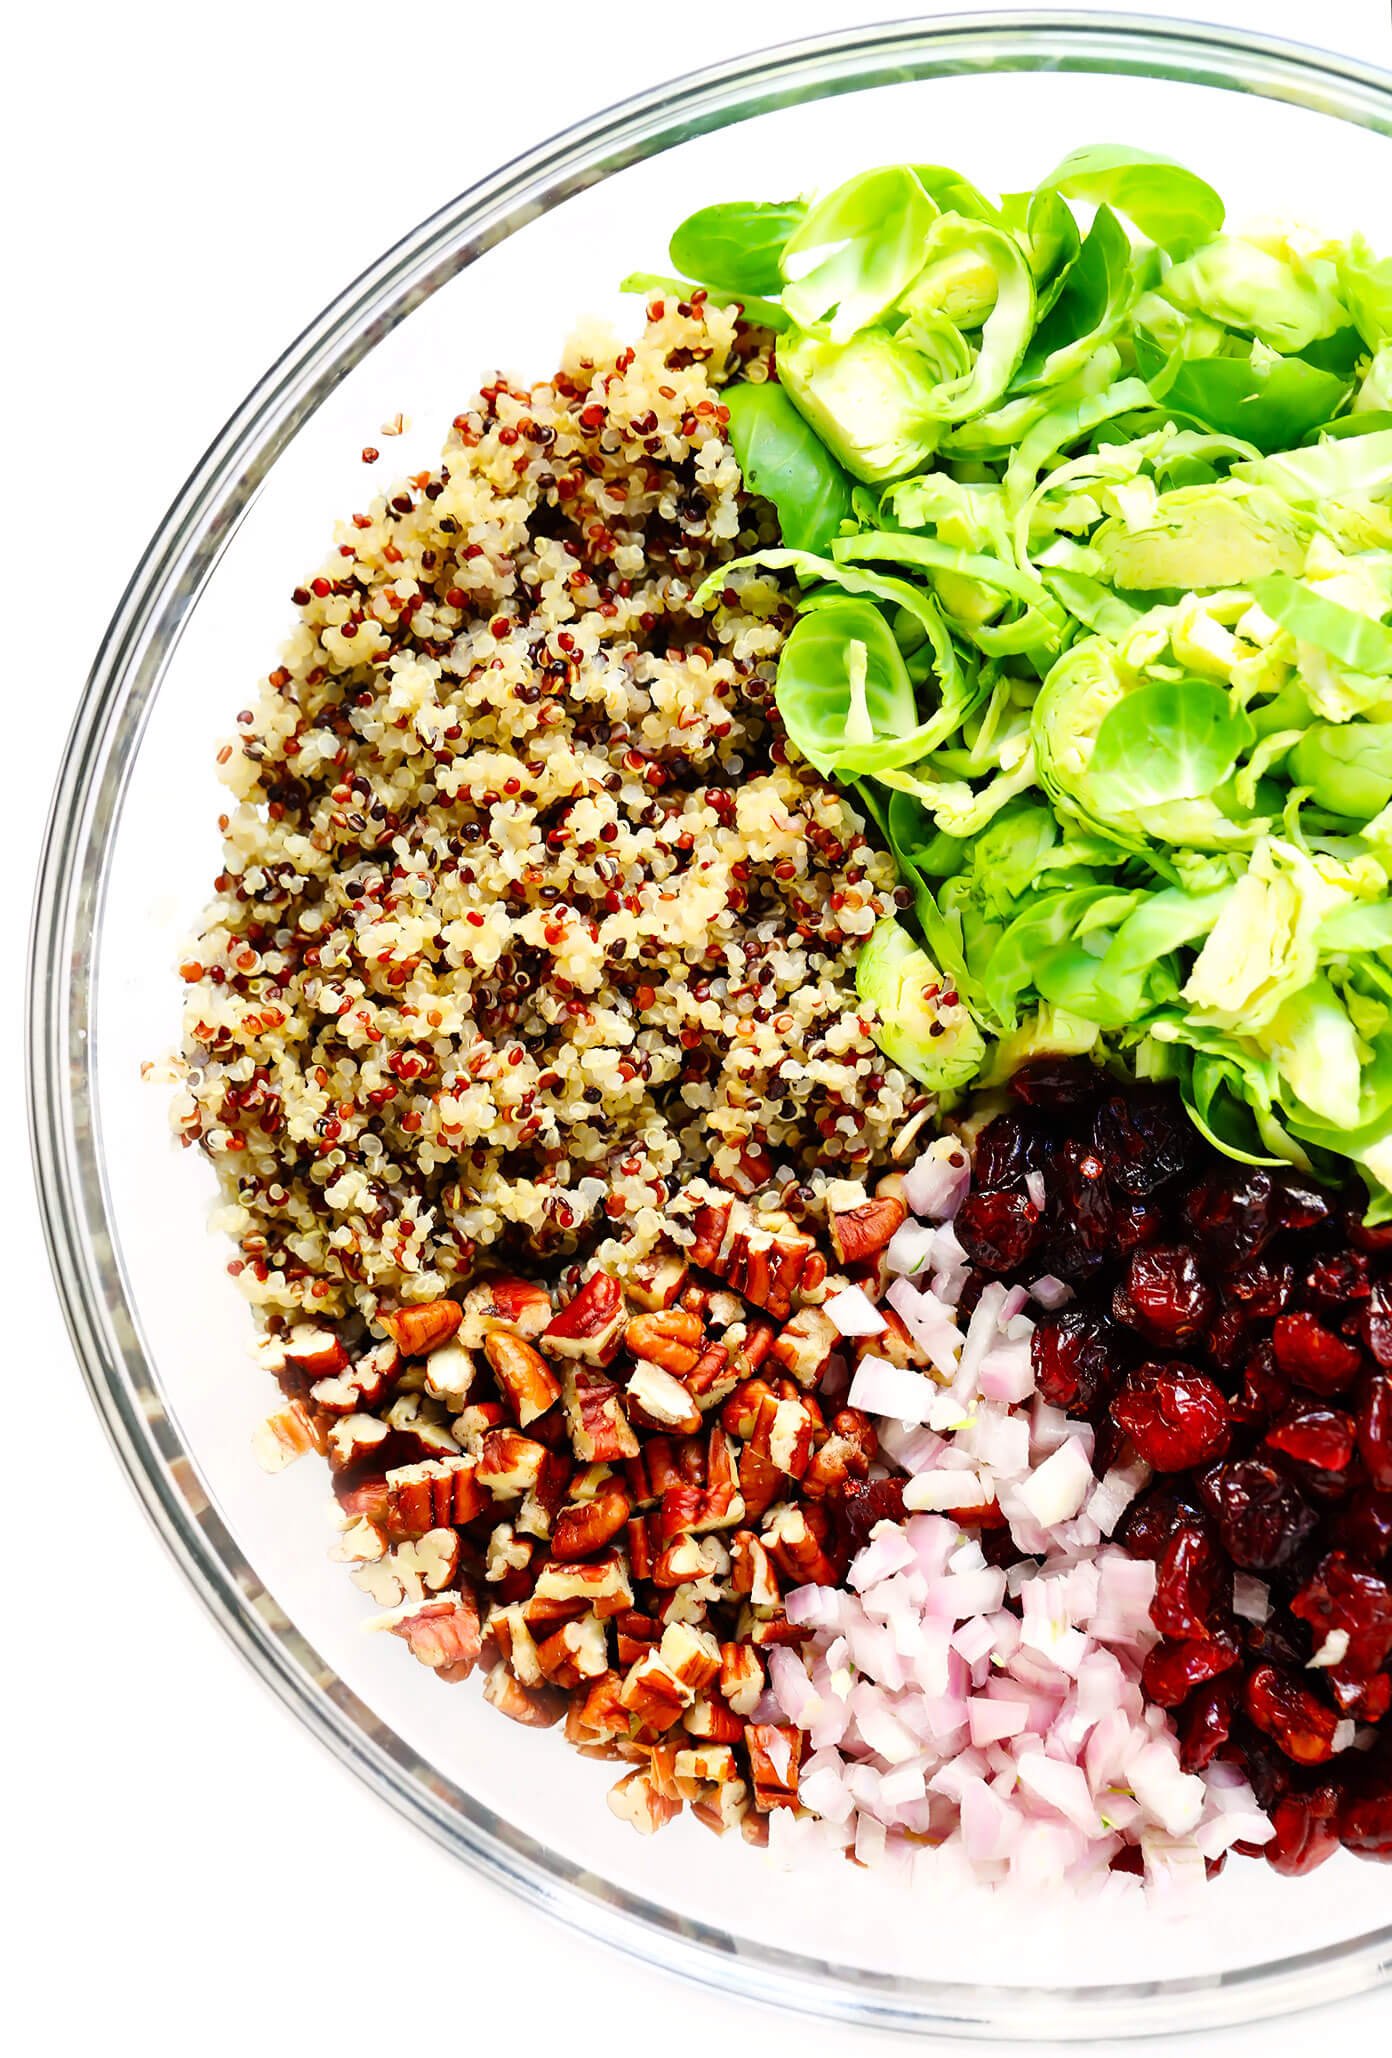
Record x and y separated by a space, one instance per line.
105 735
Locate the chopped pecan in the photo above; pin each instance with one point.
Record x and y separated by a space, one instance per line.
600 1430
662 1400
285 1436
712 1722
354 1437
689 1558
753 1349
414 1414
653 1470
741 1677
509 1630
450 1373
523 1374
710 1225
537 1707
691 1655
761 1481
767 1630
638 1542
636 1800
795 1540
670 1338
517 1307
412 1569
421 1328
594 1721
656 1280
634 1633
443 1634
741 1410
363 1386
510 1464
507 1553
313 1352
783 1433
473 1423
804 1344
847 1453
360 1542
722 1807
601 1584
766 1266
577 1650
752 1572
653 1694
437 1493
589 1327
702 1765
775 1752
584 1527
860 1231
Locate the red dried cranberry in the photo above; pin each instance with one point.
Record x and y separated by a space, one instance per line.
1172 1670
1306 1831
1265 1393
1164 1295
1150 1522
1338 1278
1311 1354
1297 1204
1206 1723
863 1503
997 1230
1232 1213
1377 1324
1289 1713
1057 1085
1262 1287
1366 1700
1176 1417
1365 1812
1134 1223
1145 1138
1005 1150
1229 1336
1261 1518
1075 1359
1363 1526
1322 1437
1344 1598
1193 1588
1270 1773
1081 1197
1376 1241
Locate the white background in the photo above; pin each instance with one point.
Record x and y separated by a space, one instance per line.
185 187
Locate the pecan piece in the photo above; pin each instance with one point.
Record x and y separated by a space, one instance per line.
510 1464
600 1430
804 1344
449 1376
437 1493
751 1570
662 1400
584 1527
861 1231
421 1328
363 1386
653 1694
523 1374
711 1721
671 1338
589 1328
724 1806
636 1800
741 1677
413 1569
794 1539
537 1707
657 1280
847 1453
600 1584
285 1436
577 1650
314 1353
354 1437
518 1307
775 1752
690 1655
443 1634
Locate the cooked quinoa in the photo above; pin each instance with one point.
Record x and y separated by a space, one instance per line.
525 912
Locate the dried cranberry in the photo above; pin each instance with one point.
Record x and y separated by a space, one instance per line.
1164 1295
1306 1831
1152 1520
1265 1393
1366 1699
1261 1518
1377 1324
1057 1085
1172 1670
1270 1773
1338 1278
997 1230
863 1503
1363 1526
1232 1213
1193 1588
1365 1813
1145 1138
1299 1724
1206 1723
1322 1437
1298 1204
1176 1417
1375 1240
1344 1598
1081 1196
1262 1287
1134 1223
1075 1358
1005 1150
1311 1354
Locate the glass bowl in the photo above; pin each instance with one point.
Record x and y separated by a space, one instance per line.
495 279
